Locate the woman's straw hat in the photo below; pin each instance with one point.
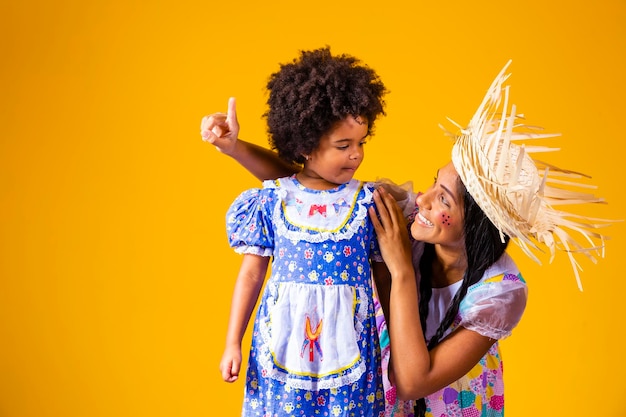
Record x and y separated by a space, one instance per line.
517 193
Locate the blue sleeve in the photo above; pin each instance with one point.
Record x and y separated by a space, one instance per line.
248 223
368 201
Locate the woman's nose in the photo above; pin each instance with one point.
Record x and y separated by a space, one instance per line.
423 199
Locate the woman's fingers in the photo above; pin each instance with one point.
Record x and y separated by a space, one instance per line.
388 210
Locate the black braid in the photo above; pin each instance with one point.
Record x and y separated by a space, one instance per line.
426 288
483 247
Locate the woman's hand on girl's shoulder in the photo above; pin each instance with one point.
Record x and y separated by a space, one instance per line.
391 231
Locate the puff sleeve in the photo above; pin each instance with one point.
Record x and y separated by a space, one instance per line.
248 222
494 307
368 201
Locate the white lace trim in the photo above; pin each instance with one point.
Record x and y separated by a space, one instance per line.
361 311
349 229
254 250
315 385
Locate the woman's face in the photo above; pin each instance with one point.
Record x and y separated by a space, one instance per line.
441 208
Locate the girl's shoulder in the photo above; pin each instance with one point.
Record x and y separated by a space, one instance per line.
269 190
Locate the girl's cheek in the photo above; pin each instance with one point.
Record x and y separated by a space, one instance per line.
446 220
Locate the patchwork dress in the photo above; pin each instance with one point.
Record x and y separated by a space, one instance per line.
315 348
492 307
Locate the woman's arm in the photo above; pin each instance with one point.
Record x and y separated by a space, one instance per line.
417 372
222 131
245 295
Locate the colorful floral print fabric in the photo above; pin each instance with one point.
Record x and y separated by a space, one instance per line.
491 307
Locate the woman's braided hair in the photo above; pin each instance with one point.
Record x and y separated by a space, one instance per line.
483 248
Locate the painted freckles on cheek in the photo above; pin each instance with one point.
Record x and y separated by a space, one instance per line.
445 219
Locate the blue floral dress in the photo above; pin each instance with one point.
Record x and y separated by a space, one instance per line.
315 348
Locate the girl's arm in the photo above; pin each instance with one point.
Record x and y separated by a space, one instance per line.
222 131
417 372
245 295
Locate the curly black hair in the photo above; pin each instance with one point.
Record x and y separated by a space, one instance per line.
311 93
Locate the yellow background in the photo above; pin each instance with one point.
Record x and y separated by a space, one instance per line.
115 273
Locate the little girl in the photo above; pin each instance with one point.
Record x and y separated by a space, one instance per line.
315 348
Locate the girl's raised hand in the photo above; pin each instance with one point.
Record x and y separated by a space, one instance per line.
221 129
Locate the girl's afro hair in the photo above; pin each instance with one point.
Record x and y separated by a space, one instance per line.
314 91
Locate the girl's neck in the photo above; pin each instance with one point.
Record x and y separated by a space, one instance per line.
314 183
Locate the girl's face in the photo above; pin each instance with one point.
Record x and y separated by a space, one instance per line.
338 155
440 216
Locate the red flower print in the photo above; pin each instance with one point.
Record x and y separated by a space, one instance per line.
321 401
329 281
347 251
308 254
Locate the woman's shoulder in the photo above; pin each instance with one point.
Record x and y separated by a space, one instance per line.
495 305
502 280
504 269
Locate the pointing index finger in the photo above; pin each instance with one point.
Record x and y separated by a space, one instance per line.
232 113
